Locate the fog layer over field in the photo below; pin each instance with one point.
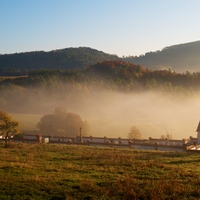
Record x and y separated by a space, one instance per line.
112 114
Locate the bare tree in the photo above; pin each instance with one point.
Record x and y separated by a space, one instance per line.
166 136
134 133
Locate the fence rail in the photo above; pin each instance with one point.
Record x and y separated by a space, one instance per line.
148 144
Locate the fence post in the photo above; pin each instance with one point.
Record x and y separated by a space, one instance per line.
119 140
104 139
156 146
166 141
184 147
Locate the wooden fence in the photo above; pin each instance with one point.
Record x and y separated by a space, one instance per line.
148 144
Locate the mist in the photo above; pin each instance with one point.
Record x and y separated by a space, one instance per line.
154 114
112 113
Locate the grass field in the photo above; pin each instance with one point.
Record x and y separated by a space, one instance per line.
45 171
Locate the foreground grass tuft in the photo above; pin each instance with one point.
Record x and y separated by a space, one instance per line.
45 171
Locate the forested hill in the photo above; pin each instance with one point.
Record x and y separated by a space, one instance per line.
69 58
117 75
77 87
181 58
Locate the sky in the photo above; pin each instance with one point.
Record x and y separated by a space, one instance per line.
120 27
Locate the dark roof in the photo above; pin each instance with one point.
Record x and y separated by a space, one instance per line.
198 128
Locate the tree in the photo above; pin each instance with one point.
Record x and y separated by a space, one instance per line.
167 136
8 126
61 123
134 133
86 129
72 124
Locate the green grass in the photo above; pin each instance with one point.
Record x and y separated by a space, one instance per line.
45 171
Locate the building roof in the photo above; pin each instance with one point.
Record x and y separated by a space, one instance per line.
198 128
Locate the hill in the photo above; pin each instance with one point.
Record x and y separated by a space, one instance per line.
181 58
69 58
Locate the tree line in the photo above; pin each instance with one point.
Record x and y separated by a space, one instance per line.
181 57
117 74
80 84
65 59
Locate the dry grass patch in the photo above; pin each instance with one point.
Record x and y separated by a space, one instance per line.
45 171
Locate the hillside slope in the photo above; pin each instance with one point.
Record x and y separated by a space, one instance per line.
181 58
69 58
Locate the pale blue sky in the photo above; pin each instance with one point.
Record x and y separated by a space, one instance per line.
122 27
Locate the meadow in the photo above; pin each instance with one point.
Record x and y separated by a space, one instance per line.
48 171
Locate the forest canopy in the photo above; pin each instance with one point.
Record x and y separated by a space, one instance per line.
181 58
81 84
63 59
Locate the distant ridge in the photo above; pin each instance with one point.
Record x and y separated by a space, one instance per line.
69 58
181 58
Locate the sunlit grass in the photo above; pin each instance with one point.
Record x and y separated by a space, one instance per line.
39 171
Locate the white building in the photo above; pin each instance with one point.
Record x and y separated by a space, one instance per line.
198 133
